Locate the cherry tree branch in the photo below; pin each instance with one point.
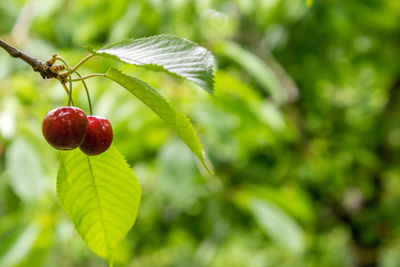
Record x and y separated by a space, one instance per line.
36 64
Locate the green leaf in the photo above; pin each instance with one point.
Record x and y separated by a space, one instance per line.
101 195
174 119
177 172
292 199
16 243
168 53
277 224
261 72
24 168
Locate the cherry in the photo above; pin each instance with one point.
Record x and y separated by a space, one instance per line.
65 127
99 136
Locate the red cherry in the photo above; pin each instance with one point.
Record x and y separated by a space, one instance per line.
65 127
99 136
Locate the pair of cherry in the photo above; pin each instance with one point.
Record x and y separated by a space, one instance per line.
67 128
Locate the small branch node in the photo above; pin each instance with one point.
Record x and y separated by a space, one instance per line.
56 69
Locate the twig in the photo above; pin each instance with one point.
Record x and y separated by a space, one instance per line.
36 64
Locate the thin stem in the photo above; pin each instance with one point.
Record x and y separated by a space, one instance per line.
88 76
87 94
74 68
70 78
66 90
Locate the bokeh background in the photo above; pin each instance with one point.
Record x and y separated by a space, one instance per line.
303 132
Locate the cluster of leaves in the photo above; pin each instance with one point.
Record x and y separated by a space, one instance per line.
302 132
101 194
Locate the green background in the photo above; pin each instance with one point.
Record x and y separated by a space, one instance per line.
303 132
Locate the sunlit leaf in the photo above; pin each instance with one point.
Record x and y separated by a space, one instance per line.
277 224
25 171
292 200
101 195
16 243
177 171
261 72
174 119
168 53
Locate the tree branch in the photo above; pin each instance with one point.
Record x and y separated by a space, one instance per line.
36 64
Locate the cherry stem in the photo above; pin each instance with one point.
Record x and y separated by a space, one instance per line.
87 77
66 90
74 68
70 82
87 93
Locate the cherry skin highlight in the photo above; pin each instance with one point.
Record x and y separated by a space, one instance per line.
65 128
98 137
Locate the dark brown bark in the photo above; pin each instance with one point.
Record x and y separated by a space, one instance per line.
42 67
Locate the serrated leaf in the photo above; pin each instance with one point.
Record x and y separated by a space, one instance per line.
174 119
168 53
101 195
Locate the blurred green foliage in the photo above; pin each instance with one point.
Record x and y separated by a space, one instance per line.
303 132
